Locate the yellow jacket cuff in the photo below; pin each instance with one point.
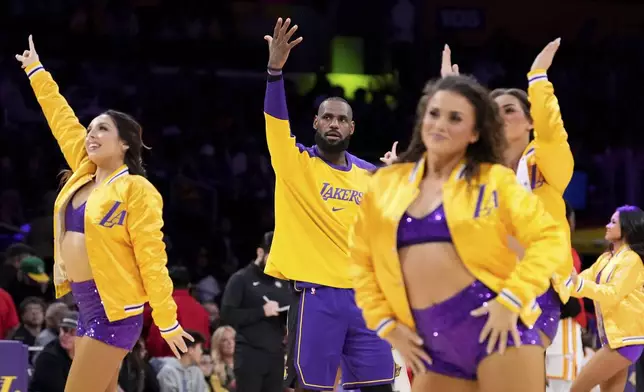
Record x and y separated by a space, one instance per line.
509 300
580 285
34 68
174 330
385 327
537 75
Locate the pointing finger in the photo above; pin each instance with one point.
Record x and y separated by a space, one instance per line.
31 44
393 147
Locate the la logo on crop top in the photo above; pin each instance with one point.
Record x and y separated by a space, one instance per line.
114 217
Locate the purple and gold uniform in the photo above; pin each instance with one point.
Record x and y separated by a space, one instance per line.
477 217
545 169
315 204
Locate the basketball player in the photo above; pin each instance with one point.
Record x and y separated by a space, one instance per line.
318 193
109 246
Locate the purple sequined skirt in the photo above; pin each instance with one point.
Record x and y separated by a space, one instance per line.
550 305
93 322
451 335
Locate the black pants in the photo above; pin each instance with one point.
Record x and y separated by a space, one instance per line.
257 370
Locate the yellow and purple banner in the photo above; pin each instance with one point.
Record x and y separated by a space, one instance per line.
14 365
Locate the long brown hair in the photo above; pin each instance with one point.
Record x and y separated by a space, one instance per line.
488 123
131 133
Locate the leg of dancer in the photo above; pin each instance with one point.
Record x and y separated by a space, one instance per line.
109 249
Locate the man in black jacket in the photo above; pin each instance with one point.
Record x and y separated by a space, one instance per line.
53 363
255 304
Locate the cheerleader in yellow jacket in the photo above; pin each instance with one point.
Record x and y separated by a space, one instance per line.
539 153
108 244
432 270
616 283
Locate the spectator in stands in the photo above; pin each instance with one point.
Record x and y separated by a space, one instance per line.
13 256
184 374
190 314
31 280
136 374
207 367
223 352
213 312
8 315
53 364
32 317
53 317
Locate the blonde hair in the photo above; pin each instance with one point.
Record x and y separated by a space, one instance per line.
215 351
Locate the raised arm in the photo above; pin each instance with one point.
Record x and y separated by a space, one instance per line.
62 121
285 152
552 151
545 244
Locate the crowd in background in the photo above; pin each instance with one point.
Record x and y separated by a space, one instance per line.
191 73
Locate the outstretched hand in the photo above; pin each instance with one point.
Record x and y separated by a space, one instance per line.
544 59
30 56
178 344
447 68
279 46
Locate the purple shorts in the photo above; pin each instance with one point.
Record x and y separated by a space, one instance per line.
93 322
451 335
550 305
632 353
331 333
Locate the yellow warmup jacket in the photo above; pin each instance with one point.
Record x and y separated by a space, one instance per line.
480 215
123 221
546 166
619 296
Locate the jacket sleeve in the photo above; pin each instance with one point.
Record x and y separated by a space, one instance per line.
627 277
145 207
64 124
286 154
231 311
544 242
552 151
377 312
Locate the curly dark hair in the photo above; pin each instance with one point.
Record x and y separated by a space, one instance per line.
491 144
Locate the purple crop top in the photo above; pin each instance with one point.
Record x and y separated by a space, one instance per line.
430 228
75 218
